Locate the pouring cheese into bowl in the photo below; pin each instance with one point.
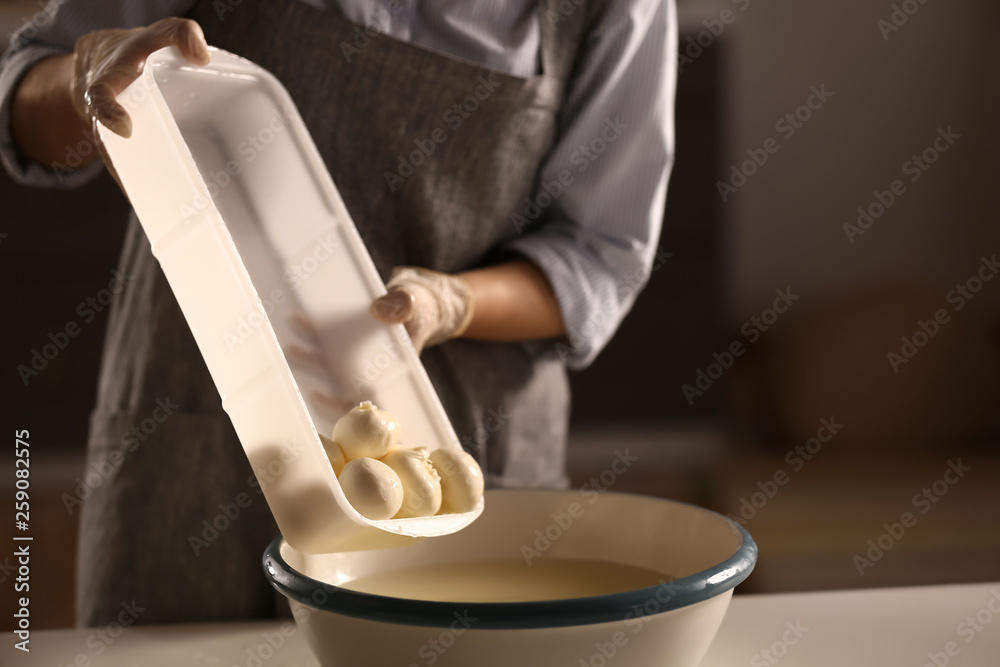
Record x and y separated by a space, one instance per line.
461 479
373 488
421 482
378 474
366 431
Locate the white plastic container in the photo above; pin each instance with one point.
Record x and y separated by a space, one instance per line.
275 283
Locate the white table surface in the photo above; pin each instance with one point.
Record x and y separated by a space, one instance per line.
886 627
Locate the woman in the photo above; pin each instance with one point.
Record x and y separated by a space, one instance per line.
529 223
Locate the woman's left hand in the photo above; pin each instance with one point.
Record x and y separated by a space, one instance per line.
434 307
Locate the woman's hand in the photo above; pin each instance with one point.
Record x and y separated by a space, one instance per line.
105 62
507 302
64 96
434 307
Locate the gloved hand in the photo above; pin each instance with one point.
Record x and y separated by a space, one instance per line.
105 62
434 307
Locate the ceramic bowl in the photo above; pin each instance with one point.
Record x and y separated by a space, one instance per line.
672 623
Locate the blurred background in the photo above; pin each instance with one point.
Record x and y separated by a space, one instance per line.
791 116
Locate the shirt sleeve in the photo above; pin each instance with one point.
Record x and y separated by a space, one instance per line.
594 221
52 31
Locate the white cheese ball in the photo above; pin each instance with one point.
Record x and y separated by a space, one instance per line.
461 479
421 483
366 431
335 454
372 488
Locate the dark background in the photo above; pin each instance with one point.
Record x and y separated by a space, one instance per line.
824 359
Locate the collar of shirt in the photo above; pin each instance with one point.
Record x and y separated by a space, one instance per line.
504 36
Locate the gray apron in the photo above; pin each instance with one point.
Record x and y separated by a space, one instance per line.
176 522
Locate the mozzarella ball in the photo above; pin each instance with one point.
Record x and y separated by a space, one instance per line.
421 483
334 453
366 431
372 487
461 479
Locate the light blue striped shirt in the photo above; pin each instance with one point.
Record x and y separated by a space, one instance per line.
601 191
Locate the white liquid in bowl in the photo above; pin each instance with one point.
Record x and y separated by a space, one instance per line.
508 580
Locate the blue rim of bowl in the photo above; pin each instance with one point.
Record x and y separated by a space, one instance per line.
627 605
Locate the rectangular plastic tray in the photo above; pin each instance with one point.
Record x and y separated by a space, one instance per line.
275 283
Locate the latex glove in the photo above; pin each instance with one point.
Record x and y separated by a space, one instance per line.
434 307
105 62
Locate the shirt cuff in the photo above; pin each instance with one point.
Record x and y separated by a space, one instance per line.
23 170
595 280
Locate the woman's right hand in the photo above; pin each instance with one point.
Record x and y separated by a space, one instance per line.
105 62
64 95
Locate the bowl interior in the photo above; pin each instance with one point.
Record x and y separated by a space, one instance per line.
703 551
